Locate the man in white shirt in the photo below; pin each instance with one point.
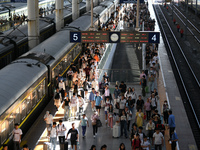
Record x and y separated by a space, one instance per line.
61 132
158 140
122 104
52 131
17 134
48 118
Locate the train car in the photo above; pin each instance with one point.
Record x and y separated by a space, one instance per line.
26 85
12 49
193 4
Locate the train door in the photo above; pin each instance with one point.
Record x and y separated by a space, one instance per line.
17 115
11 124
29 104
3 132
23 109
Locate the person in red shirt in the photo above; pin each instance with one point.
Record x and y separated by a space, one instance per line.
136 143
174 20
178 27
87 72
181 31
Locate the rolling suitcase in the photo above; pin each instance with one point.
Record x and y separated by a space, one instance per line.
64 146
116 131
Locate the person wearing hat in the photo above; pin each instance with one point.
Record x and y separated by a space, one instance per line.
84 123
17 134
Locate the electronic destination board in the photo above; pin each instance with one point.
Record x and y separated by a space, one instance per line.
114 37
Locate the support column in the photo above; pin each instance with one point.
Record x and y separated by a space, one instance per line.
59 14
75 8
33 23
138 15
87 5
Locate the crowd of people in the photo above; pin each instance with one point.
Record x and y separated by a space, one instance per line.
136 115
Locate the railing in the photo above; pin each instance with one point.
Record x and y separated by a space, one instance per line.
126 75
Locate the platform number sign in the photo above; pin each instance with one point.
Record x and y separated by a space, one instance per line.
75 37
154 37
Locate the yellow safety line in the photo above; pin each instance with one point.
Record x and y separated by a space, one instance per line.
21 101
26 118
22 44
6 54
64 57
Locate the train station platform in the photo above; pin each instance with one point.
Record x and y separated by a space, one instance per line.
124 59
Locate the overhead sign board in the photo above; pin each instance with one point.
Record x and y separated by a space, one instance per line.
19 1
114 37
131 1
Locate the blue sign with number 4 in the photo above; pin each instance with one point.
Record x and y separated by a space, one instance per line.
75 37
154 37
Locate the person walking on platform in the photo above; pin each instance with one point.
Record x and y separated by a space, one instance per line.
158 140
181 32
98 101
171 123
143 84
123 123
84 123
17 135
74 136
87 72
165 109
69 76
151 82
139 118
92 99
122 87
57 98
48 118
73 104
66 106
139 103
61 132
178 27
94 119
174 139
52 131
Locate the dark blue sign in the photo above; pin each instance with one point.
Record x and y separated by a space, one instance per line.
154 37
19 1
75 37
131 1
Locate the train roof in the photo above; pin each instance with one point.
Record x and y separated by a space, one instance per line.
59 43
16 78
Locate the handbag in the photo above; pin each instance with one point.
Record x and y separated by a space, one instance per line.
94 123
99 124
147 89
145 116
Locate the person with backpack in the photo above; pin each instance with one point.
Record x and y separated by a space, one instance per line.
136 143
52 131
98 101
61 132
48 118
141 133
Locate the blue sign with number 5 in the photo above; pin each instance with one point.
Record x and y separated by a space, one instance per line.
75 37
154 37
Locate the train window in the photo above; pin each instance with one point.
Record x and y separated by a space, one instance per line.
11 124
34 98
23 109
17 115
3 132
29 104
